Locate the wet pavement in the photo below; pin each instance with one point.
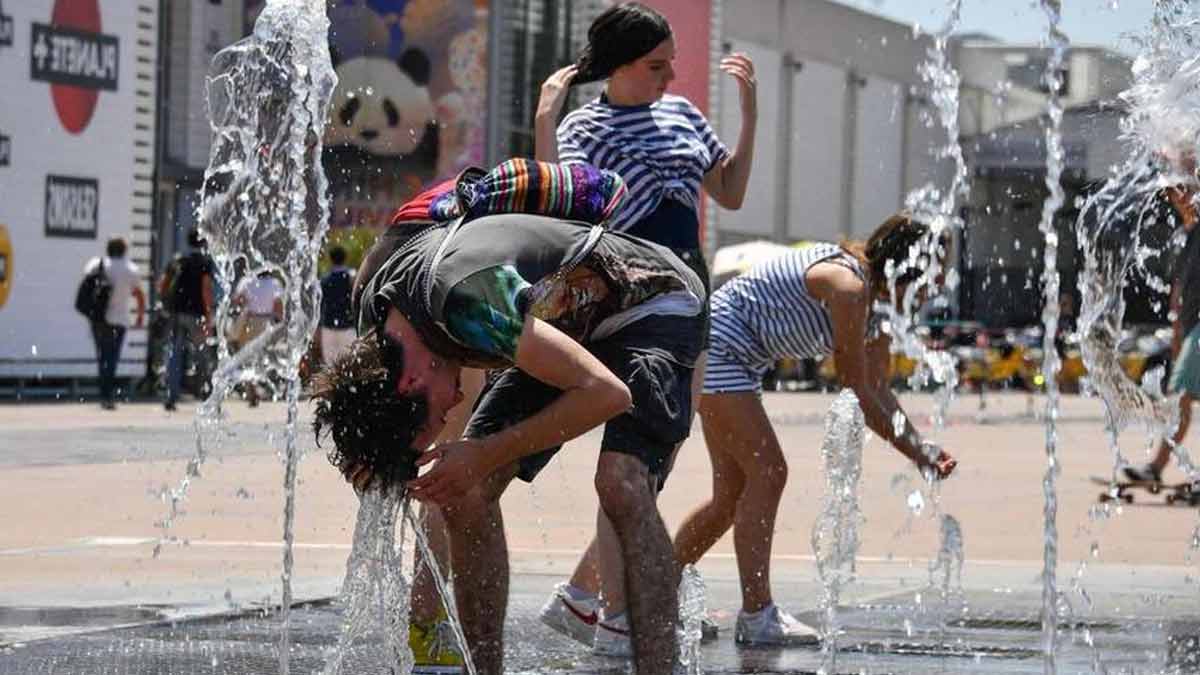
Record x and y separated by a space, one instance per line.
912 631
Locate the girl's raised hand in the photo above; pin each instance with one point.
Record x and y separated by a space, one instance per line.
554 92
742 69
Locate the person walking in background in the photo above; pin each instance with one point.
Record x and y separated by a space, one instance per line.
187 291
124 277
1185 339
665 150
259 302
337 318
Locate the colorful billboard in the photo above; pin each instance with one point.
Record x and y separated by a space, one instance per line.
410 107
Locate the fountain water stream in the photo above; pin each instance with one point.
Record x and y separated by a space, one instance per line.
691 615
835 532
1051 363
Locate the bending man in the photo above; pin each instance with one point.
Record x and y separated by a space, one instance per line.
589 327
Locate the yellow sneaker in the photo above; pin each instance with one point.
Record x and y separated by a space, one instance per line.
435 648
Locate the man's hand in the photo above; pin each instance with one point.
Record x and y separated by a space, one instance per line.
461 465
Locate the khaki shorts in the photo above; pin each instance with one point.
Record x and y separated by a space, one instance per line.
245 328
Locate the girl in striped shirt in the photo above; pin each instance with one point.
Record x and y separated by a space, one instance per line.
665 150
809 302
659 143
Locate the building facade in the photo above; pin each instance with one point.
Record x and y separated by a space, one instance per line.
846 131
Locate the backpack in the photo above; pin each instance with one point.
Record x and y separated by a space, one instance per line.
93 294
336 290
574 191
170 297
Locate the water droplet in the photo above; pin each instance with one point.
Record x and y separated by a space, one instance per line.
916 502
33 349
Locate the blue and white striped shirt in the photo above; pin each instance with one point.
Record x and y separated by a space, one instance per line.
767 313
661 150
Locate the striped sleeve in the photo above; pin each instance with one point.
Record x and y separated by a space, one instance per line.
570 141
717 151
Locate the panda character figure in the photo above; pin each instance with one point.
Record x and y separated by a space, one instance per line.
382 110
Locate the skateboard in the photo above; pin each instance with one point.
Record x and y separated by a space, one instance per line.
1176 493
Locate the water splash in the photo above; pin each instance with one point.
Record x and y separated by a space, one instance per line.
945 573
1121 212
939 209
444 592
264 206
375 597
375 594
835 532
691 617
1160 132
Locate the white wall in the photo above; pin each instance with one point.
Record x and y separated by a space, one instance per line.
822 193
815 142
878 165
758 213
40 332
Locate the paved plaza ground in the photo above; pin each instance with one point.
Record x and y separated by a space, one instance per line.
81 496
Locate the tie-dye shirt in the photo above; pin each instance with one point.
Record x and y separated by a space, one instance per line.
487 310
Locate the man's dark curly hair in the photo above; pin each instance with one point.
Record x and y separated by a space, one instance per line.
357 405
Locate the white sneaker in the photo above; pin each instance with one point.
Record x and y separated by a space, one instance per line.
773 627
574 618
612 637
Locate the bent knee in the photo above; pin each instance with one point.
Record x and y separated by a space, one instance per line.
470 507
623 485
480 502
772 476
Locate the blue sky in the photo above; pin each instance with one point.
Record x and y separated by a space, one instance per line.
1094 22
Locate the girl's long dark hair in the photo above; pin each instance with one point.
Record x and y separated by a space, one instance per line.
620 35
891 241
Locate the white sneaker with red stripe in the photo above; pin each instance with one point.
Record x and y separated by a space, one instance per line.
612 637
573 615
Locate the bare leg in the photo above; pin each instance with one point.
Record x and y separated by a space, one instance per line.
600 570
425 601
1185 421
479 553
705 526
610 566
627 497
587 573
749 473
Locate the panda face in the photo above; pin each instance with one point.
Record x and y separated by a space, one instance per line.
380 107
